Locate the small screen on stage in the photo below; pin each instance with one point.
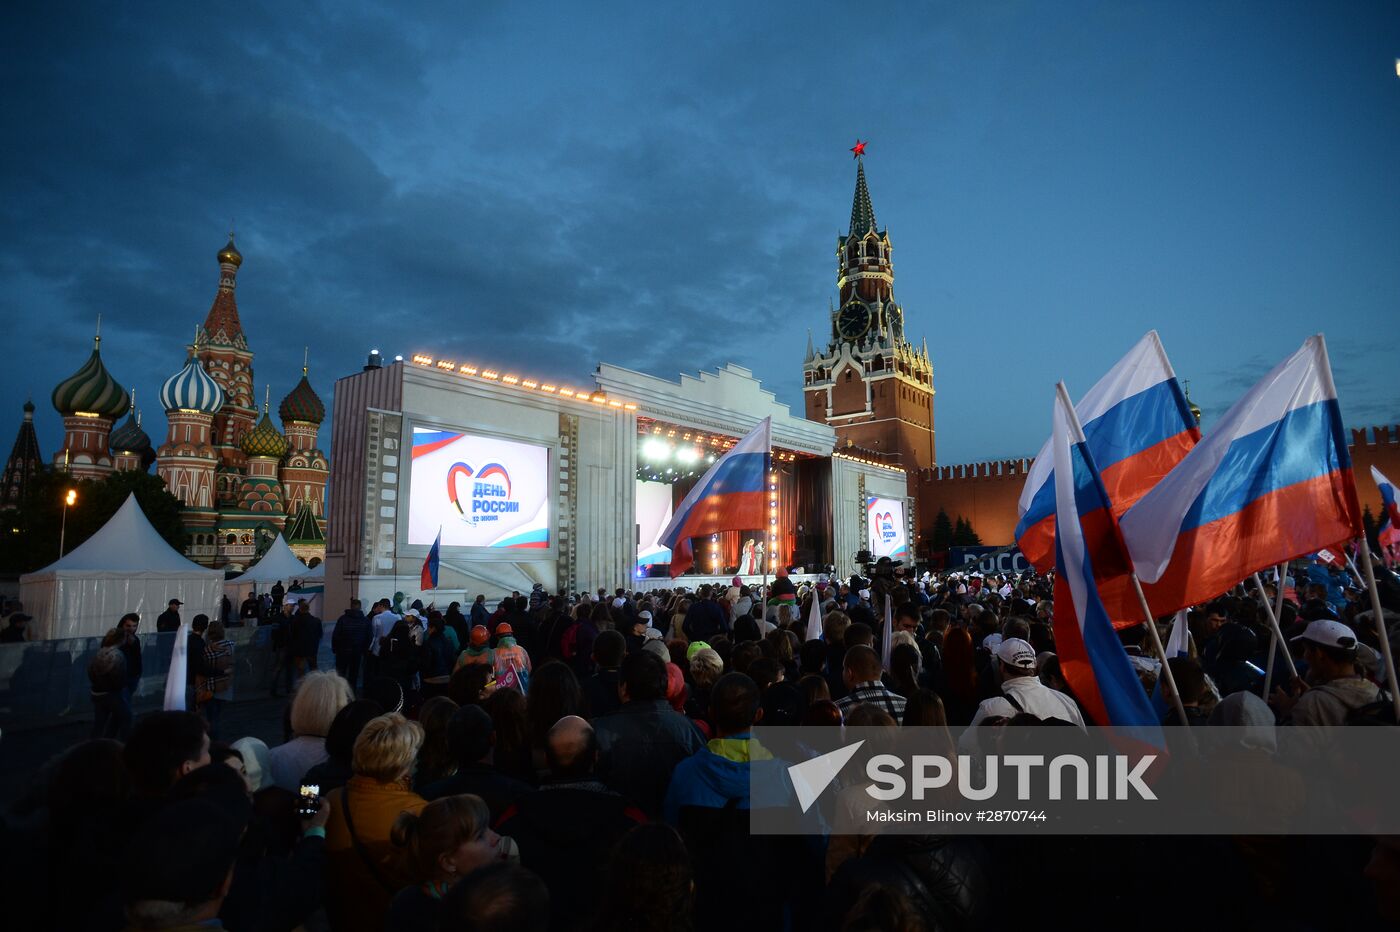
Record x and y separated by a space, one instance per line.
654 512
481 491
888 536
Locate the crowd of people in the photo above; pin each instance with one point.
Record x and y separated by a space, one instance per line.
584 761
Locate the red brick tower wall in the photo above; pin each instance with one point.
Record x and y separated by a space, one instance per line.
1378 447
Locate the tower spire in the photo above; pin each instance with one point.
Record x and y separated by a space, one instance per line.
811 351
305 359
862 212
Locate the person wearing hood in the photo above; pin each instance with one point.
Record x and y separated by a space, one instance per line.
566 829
720 772
1333 688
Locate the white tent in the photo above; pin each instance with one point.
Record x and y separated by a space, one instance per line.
125 567
317 572
279 564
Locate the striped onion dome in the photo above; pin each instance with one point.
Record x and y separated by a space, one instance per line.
264 440
302 404
128 437
91 390
192 389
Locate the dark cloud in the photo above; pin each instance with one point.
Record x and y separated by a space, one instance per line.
543 188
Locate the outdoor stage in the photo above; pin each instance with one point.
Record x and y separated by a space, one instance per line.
652 583
529 481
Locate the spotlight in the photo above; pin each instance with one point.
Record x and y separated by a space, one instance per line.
687 455
656 450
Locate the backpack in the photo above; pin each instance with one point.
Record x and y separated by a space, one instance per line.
514 677
1380 712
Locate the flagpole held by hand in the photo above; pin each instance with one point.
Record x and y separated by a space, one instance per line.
1378 615
1147 617
1273 637
1276 634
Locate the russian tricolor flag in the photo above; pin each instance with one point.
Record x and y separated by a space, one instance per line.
1270 483
1388 534
731 496
1137 425
428 579
1091 656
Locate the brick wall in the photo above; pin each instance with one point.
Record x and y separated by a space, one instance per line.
1379 447
983 493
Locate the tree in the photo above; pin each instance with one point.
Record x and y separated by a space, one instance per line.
1373 531
964 535
29 536
941 534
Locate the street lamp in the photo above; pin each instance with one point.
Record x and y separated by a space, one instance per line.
68 500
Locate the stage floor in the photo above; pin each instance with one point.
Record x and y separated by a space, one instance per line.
650 583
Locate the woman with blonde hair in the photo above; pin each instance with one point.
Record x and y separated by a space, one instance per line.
446 841
364 869
318 698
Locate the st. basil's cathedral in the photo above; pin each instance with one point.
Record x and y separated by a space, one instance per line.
240 479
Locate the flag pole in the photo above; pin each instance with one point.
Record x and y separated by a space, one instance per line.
1354 571
1379 616
766 534
1147 617
1273 639
1151 624
1276 634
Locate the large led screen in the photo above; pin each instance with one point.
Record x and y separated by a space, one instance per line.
885 519
481 491
654 512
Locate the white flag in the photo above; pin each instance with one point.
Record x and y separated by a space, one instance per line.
814 617
1179 643
885 644
179 670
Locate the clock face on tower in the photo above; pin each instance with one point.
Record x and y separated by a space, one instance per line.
853 320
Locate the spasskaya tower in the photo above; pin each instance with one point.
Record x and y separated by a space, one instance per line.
870 382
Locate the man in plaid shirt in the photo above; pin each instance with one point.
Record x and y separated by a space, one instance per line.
861 674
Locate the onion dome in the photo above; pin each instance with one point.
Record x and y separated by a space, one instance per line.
1191 405
302 404
230 255
192 389
264 440
91 390
128 437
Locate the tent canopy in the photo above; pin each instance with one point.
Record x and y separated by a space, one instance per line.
126 543
279 564
125 567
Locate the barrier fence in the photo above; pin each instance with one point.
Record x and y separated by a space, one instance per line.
45 683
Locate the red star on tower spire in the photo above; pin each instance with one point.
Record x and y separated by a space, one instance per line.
858 149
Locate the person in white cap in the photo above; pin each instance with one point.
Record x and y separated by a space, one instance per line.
1334 687
1022 691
